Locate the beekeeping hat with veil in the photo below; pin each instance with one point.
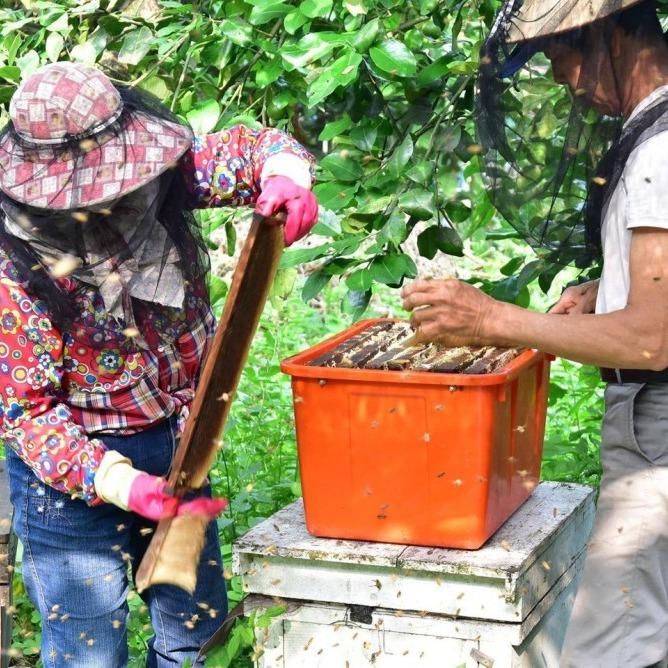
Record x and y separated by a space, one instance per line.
88 171
552 160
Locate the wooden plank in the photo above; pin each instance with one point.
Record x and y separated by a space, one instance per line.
173 553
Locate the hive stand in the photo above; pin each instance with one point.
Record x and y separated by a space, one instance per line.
7 553
356 604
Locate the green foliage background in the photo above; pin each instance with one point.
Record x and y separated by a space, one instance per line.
382 92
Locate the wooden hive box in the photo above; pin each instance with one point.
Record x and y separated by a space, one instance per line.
355 604
7 551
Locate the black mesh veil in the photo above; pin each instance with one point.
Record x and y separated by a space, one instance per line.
553 155
145 240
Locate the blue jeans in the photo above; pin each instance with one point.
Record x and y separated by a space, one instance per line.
75 568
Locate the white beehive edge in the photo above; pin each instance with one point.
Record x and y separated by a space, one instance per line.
513 578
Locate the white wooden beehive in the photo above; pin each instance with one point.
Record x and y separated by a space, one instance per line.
356 604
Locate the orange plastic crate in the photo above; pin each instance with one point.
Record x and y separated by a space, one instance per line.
416 457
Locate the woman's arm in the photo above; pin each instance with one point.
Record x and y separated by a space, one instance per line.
242 166
32 420
635 337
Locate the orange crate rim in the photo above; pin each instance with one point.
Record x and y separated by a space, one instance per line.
297 365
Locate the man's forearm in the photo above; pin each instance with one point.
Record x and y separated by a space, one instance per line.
621 339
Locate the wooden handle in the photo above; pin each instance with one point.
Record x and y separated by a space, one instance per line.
200 440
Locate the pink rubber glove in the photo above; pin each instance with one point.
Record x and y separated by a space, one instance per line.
281 192
149 499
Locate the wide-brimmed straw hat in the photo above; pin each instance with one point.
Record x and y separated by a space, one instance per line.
71 144
542 18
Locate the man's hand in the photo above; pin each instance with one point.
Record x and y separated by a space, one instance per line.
577 299
451 312
281 192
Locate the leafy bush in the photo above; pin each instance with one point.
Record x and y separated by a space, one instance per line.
380 90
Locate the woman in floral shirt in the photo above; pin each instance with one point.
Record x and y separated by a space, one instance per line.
104 322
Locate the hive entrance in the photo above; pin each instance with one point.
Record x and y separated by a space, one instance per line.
386 345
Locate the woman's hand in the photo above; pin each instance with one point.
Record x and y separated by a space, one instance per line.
281 192
449 311
119 483
577 299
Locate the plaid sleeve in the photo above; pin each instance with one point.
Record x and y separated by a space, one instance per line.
32 420
226 168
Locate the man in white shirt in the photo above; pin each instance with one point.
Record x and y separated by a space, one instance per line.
620 323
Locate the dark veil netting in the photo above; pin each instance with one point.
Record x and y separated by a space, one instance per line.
94 234
551 161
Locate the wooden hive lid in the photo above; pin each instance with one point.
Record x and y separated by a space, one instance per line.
503 581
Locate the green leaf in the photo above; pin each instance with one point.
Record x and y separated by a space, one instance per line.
342 167
418 203
394 231
391 268
360 280
463 67
366 35
217 54
54 45
335 128
297 256
355 7
310 48
294 21
111 24
9 73
217 289
512 266
268 73
156 86
340 73
400 156
421 173
204 116
6 93
457 212
268 10
55 21
439 238
434 71
334 195
316 9
283 283
376 203
355 302
230 237
28 62
237 32
314 284
84 53
364 135
394 57
506 290
136 44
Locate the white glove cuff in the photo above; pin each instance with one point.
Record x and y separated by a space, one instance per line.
290 165
114 478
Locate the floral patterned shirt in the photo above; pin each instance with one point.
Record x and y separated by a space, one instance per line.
61 391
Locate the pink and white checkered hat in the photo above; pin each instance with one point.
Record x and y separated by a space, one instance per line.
71 144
